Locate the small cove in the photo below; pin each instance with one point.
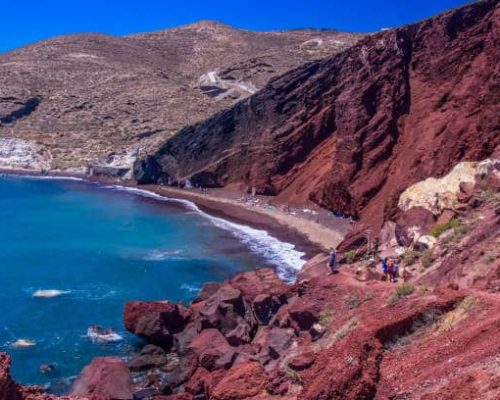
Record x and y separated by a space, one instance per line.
102 246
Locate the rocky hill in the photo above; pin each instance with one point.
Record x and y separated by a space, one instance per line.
353 131
84 98
434 334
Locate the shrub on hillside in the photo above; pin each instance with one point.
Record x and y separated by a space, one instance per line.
427 258
401 292
439 229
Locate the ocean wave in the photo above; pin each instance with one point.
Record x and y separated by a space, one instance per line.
283 255
43 177
97 335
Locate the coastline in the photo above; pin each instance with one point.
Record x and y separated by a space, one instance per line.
308 236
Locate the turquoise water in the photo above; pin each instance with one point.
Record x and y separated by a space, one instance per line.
102 246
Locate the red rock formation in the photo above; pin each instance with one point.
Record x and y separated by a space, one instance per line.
8 389
154 321
351 132
242 381
107 377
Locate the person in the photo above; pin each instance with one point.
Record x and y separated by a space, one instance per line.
390 270
332 261
384 266
395 270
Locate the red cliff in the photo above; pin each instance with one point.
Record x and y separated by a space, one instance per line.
352 131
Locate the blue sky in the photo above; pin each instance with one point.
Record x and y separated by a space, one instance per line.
28 21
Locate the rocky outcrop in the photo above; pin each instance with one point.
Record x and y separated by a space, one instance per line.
156 322
8 389
353 131
349 335
105 377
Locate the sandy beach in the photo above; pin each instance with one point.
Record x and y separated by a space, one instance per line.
321 230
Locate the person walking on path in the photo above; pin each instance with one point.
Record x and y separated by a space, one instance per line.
332 261
390 270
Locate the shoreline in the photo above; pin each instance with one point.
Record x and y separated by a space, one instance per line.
308 236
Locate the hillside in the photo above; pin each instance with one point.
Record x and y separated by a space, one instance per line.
95 98
353 131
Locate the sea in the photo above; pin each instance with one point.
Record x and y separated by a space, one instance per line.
73 252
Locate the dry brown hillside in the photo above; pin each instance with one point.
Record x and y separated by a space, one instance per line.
80 98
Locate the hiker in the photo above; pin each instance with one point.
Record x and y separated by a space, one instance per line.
332 261
390 270
395 270
384 266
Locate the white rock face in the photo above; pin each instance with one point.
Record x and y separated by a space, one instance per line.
116 161
219 88
22 154
426 241
435 194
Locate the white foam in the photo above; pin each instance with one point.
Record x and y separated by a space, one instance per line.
190 288
50 293
44 177
97 337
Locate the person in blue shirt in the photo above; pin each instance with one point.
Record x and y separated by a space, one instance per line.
332 261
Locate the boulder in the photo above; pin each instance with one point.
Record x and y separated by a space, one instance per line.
466 190
151 356
212 350
261 281
493 181
425 242
303 315
180 374
387 236
203 382
155 322
242 381
208 290
265 306
317 331
316 266
279 341
182 339
412 224
446 216
240 335
227 310
356 240
108 377
302 361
